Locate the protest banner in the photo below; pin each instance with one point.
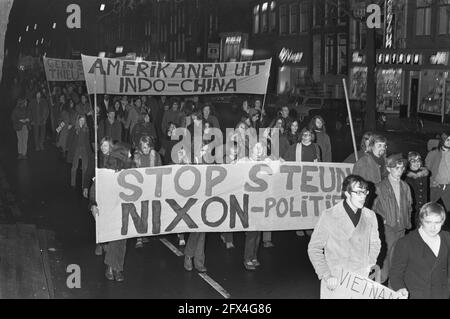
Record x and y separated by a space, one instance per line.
122 77
246 196
63 70
354 286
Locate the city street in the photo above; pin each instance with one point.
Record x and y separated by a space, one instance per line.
44 198
111 111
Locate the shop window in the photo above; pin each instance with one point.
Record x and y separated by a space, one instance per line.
444 17
358 83
432 91
423 17
342 54
256 19
304 21
284 78
293 13
273 16
283 19
265 17
330 47
389 90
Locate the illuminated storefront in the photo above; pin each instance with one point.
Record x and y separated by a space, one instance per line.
434 96
291 73
417 79
389 90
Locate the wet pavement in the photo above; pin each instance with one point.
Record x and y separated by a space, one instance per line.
41 192
41 187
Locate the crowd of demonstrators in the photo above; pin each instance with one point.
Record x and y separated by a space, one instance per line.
141 131
397 191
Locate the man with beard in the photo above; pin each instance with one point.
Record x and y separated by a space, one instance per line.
372 165
345 238
394 205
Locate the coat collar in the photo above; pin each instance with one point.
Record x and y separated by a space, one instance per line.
422 172
344 222
426 250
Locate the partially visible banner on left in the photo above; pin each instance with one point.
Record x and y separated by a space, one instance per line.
62 70
5 8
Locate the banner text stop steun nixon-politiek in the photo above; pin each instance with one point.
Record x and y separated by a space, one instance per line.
249 196
115 76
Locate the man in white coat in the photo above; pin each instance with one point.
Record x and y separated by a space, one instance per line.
345 238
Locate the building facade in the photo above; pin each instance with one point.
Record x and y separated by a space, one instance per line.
308 42
412 61
175 30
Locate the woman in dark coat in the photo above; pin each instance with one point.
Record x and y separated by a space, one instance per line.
417 178
421 259
80 148
21 117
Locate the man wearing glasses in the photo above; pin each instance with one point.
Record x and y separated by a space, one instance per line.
394 205
345 238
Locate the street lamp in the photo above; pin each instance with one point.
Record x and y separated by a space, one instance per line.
102 7
54 25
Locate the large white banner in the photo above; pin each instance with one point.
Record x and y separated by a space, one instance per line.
62 70
5 8
246 196
115 76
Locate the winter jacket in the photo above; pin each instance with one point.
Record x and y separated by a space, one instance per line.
336 244
142 160
214 121
418 181
83 109
39 111
367 168
323 140
171 116
113 131
416 268
72 143
142 129
133 118
20 113
291 153
387 207
432 162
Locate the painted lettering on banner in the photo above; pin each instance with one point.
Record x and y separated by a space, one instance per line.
246 196
63 70
114 76
353 286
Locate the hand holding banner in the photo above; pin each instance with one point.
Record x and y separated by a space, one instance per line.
353 286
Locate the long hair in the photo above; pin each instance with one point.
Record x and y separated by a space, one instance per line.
313 126
83 129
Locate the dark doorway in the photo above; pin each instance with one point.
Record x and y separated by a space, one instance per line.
413 97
